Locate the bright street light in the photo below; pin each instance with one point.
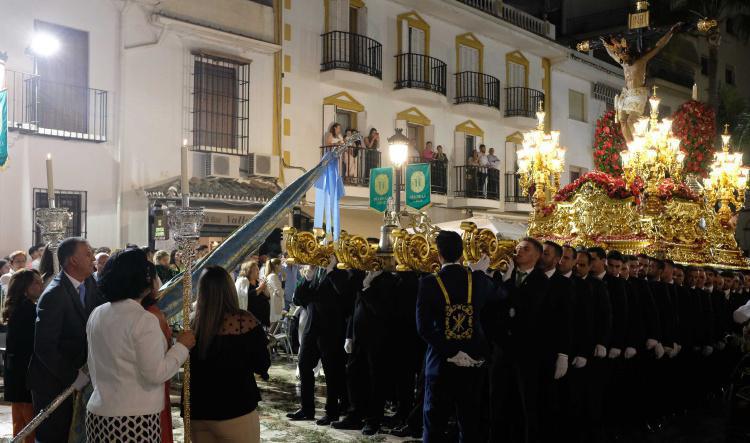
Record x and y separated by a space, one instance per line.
44 44
398 146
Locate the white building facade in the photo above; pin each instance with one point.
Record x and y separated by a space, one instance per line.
252 86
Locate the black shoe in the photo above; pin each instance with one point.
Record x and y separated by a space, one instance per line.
348 423
326 420
370 429
406 431
300 415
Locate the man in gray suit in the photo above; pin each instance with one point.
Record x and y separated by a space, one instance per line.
60 347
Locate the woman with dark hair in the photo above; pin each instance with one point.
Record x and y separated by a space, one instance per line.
127 355
175 261
19 314
231 347
333 136
47 266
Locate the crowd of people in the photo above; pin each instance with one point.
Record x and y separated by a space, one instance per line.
585 343
97 322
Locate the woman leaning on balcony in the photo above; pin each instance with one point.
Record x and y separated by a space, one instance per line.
372 145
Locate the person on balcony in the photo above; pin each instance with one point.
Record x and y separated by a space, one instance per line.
493 185
440 155
372 145
428 154
352 157
472 178
484 163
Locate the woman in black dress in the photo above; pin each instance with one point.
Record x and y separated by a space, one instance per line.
231 347
19 314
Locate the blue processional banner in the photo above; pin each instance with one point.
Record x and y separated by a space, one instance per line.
3 127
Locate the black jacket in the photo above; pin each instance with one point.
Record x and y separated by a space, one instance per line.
561 297
602 313
660 291
582 313
374 311
60 346
19 347
431 315
618 297
328 303
643 318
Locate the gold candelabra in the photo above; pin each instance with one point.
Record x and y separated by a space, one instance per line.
541 161
727 180
653 154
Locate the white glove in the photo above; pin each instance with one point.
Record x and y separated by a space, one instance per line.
561 366
707 351
369 278
629 353
482 265
579 362
463 360
349 345
332 265
659 351
614 353
509 271
651 344
308 272
81 381
600 351
669 351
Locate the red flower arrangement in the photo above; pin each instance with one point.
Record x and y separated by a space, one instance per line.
608 143
668 190
694 124
615 187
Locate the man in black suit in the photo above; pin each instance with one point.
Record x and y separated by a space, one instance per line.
523 329
601 328
327 298
449 304
60 346
370 352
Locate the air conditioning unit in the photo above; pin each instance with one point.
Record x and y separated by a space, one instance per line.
217 165
262 165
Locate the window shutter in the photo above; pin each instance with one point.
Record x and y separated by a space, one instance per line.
459 148
362 123
429 135
343 18
329 117
362 20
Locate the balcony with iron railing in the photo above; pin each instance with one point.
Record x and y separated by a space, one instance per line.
39 106
438 174
477 88
513 16
477 182
355 164
421 72
522 102
351 52
513 192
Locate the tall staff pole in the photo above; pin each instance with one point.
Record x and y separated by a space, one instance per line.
185 224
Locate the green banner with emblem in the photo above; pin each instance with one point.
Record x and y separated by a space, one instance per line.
418 185
381 188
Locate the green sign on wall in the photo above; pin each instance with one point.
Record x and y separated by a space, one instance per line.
381 188
418 185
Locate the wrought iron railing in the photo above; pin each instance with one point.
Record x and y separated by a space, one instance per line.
477 182
438 174
39 106
352 52
514 16
522 102
355 164
475 87
420 71
513 193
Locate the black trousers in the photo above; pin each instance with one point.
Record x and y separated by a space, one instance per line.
455 391
367 381
330 350
56 427
514 400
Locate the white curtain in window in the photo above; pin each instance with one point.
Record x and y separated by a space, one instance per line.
516 75
468 58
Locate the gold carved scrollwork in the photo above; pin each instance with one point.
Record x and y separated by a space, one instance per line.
307 248
355 252
478 242
415 252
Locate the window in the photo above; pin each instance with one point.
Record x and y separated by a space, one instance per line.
73 201
704 65
415 133
729 75
62 92
471 146
576 172
576 105
220 105
347 120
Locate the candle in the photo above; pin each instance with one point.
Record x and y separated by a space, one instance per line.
50 183
695 92
185 188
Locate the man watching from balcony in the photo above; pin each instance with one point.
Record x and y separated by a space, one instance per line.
484 163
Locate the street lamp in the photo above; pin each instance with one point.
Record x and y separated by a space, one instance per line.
398 148
44 44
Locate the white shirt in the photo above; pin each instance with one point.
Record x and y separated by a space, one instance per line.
5 279
75 282
601 276
549 273
242 284
568 274
128 360
275 293
483 161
